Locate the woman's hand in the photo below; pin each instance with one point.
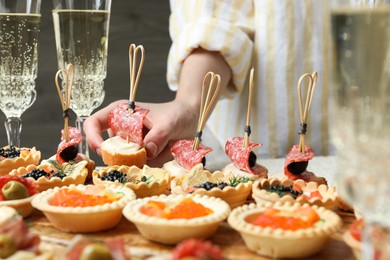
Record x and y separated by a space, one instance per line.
166 122
96 124
170 121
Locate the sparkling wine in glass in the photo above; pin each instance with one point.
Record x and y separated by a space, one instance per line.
361 105
81 34
19 31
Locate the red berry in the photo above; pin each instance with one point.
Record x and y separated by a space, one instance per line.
198 249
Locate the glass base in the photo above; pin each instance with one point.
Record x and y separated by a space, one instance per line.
13 127
83 146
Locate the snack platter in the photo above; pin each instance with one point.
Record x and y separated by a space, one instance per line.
65 207
228 239
58 241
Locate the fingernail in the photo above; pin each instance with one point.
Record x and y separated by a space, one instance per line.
151 149
98 151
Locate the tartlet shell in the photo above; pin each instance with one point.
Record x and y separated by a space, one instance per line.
173 231
278 243
22 206
83 219
234 196
142 190
46 183
7 165
260 194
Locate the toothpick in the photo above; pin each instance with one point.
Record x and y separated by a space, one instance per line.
248 113
134 73
67 77
209 94
304 111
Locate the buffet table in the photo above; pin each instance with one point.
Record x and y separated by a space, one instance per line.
228 239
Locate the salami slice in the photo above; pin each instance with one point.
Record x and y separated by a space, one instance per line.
75 137
239 155
186 156
22 237
295 156
128 125
117 248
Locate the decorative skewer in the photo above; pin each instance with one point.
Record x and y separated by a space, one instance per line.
209 94
134 73
247 129
303 111
67 77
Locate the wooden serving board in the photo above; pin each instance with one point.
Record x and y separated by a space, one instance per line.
227 238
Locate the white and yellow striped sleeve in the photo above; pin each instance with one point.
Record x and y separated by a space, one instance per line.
215 25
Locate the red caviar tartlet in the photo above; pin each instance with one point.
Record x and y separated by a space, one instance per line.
275 230
180 216
70 208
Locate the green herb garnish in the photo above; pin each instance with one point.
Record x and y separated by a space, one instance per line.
235 180
145 179
66 169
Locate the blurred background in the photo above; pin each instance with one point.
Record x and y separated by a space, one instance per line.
135 21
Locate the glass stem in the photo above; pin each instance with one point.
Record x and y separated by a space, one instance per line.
376 242
13 127
83 146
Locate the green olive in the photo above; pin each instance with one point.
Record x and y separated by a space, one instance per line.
14 190
95 252
7 246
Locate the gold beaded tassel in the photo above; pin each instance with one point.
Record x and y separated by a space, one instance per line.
303 111
67 77
210 88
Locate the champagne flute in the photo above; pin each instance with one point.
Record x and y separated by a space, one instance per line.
19 30
361 104
81 34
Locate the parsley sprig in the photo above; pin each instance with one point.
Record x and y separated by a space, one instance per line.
66 169
235 180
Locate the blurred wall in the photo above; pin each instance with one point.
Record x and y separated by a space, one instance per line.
132 21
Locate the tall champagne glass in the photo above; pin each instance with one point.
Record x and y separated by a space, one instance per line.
81 34
19 30
361 103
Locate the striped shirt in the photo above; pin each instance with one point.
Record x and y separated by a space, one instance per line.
282 40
